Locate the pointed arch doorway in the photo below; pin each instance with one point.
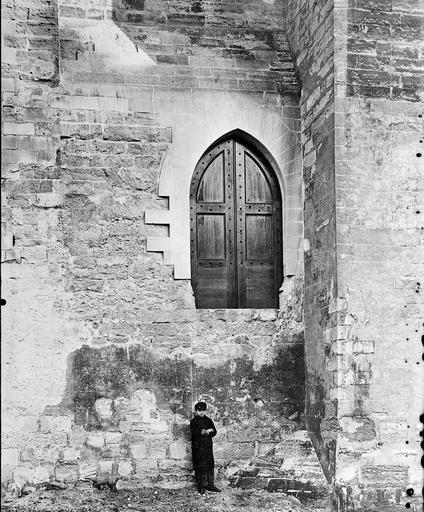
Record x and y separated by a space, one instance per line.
235 228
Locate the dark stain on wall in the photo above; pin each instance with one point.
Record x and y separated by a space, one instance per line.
280 383
197 6
114 371
323 431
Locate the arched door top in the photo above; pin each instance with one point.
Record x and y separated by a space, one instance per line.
235 228
257 147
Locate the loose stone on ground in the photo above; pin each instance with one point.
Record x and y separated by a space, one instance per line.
154 500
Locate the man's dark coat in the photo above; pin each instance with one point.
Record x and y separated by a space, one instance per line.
201 444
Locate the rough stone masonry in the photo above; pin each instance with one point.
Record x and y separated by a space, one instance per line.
107 107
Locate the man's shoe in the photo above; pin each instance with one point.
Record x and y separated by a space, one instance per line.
212 488
201 490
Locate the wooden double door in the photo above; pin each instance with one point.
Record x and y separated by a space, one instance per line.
236 233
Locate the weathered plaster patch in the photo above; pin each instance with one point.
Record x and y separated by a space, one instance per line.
358 428
102 375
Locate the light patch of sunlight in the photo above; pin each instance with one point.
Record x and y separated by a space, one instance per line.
108 40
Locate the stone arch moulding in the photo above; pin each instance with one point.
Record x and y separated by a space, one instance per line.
187 148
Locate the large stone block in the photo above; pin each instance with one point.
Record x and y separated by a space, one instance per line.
59 424
95 439
49 200
49 452
234 451
68 473
19 128
43 473
10 456
158 450
125 468
70 454
105 466
113 438
137 133
88 471
178 450
23 475
77 436
103 407
364 347
139 450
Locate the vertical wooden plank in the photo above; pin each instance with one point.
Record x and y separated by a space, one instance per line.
240 239
278 242
231 223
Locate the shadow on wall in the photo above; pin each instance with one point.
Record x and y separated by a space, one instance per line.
132 23
99 45
248 34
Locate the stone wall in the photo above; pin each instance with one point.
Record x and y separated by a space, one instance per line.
104 353
310 27
363 219
184 68
379 179
124 414
107 107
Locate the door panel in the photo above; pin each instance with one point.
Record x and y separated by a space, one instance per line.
259 291
212 287
211 187
235 206
257 187
259 237
210 236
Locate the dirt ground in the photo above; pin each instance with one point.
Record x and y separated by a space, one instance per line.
158 500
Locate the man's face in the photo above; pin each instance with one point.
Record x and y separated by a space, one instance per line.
200 413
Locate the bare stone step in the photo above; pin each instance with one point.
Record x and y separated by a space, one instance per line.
291 466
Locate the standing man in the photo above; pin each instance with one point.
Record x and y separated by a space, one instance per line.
202 431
